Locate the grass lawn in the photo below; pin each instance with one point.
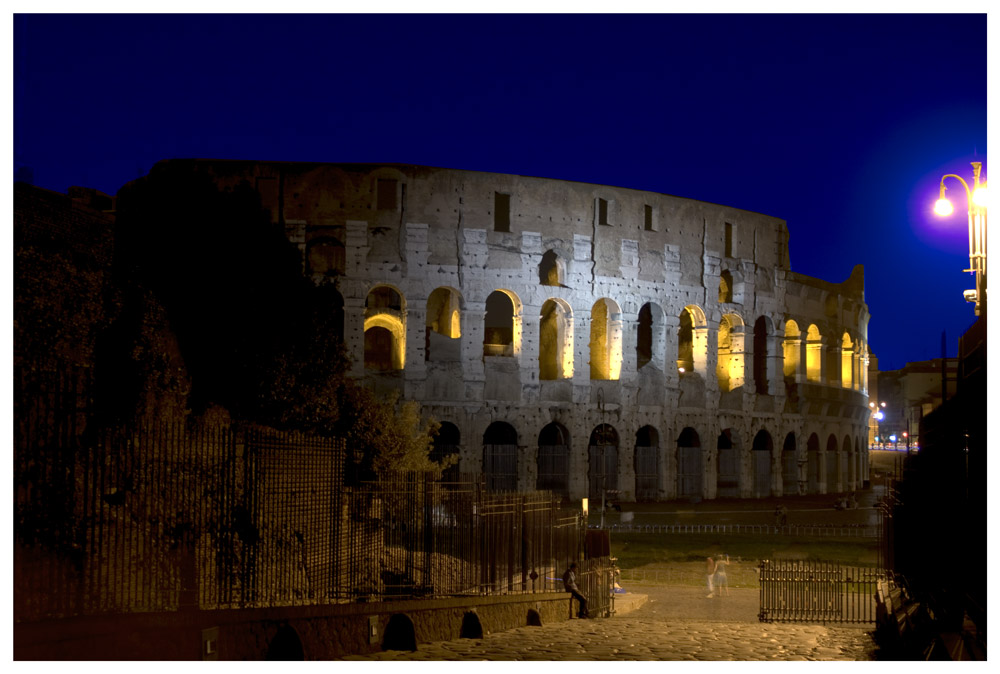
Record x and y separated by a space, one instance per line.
679 559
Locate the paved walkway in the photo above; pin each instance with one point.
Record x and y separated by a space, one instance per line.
673 623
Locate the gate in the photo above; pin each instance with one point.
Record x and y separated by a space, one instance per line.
500 467
729 473
603 470
553 469
689 471
807 592
647 473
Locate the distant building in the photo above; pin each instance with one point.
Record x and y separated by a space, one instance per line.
910 394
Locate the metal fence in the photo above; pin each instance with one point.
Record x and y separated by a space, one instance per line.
806 591
175 517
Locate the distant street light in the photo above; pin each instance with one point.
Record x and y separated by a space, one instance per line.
976 198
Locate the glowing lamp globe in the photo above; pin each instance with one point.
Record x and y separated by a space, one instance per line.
979 197
943 207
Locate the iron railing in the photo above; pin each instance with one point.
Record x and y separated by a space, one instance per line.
808 591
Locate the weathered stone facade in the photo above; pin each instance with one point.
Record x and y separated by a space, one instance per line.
558 327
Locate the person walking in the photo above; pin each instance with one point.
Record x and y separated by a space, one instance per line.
710 570
569 581
721 581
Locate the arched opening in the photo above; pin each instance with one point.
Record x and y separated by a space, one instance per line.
443 326
789 466
285 645
812 464
725 287
692 341
472 628
447 443
728 479
550 270
832 465
603 453
534 618
650 338
385 330
762 450
555 341
846 362
498 335
399 634
689 464
605 340
500 457
760 333
647 464
792 367
553 459
814 354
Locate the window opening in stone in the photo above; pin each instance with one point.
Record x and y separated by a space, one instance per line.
603 453
386 198
760 355
553 459
548 270
602 211
501 212
644 340
647 464
498 336
555 341
647 218
500 457
730 240
725 287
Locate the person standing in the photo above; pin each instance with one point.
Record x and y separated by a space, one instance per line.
720 574
569 581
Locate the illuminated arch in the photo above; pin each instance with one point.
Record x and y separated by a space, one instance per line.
692 341
385 329
729 367
605 340
555 340
792 351
846 362
814 354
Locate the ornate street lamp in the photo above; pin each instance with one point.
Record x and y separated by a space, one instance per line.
977 231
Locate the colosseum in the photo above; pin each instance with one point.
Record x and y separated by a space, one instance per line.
582 338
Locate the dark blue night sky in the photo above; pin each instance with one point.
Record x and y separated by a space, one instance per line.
840 124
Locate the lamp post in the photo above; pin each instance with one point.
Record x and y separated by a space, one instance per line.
877 416
977 231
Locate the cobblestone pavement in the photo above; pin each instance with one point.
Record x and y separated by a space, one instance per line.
675 623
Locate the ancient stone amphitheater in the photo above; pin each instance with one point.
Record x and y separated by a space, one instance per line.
585 338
